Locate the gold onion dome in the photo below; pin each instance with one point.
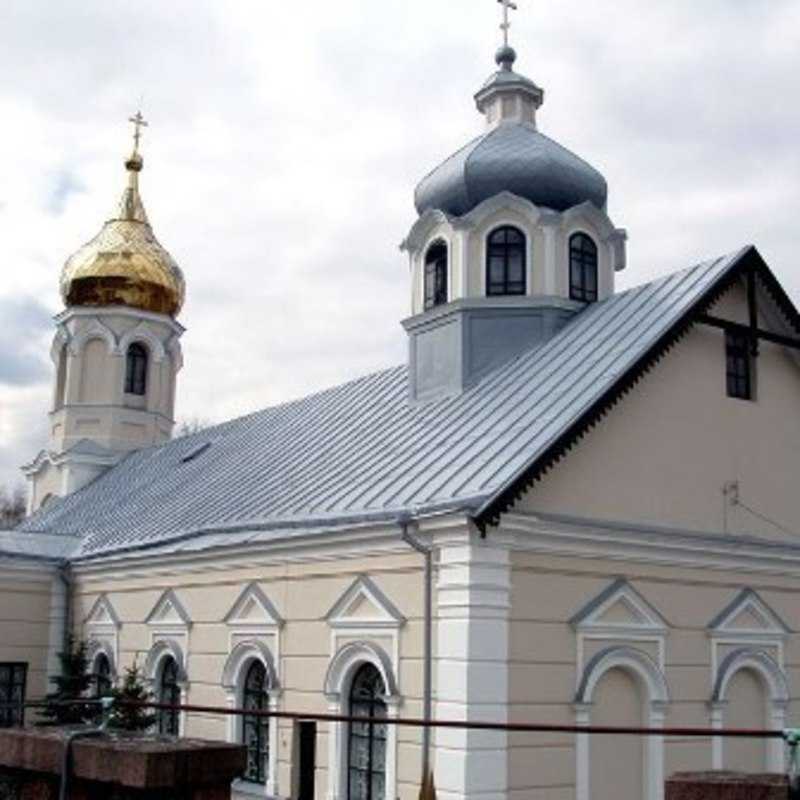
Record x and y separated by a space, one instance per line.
124 265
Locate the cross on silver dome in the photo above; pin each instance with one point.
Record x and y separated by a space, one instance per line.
506 24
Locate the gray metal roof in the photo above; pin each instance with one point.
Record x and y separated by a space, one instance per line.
516 158
361 451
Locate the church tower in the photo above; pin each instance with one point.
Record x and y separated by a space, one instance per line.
116 349
513 238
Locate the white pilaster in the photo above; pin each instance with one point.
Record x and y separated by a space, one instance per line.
717 719
473 609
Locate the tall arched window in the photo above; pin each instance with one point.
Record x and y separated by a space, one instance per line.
136 369
505 262
582 268
436 275
255 730
367 740
102 675
169 692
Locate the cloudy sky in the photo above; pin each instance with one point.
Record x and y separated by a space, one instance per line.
286 139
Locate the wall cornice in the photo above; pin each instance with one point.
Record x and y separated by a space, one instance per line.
628 542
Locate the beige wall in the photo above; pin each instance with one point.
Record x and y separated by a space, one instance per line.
25 611
302 594
548 591
664 452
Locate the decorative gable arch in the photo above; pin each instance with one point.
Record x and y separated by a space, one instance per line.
364 605
253 607
102 613
169 611
631 660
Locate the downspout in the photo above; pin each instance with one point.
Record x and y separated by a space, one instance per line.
427 552
65 576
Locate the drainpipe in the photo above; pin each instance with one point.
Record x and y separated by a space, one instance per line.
427 552
65 576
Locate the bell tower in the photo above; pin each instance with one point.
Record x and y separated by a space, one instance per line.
116 349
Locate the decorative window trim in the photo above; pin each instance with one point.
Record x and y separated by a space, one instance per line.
645 669
240 659
597 291
95 649
96 329
338 680
390 618
142 334
527 271
153 665
589 625
254 592
750 652
102 625
169 598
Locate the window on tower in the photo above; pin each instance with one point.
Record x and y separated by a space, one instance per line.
505 262
582 268
436 275
136 370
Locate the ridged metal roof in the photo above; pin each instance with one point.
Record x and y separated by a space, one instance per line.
516 158
362 452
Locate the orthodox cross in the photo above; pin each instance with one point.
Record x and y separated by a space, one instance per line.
139 122
507 6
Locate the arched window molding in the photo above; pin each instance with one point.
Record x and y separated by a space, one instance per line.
584 267
142 334
497 249
777 686
338 683
646 671
94 330
436 283
154 664
137 369
98 651
234 673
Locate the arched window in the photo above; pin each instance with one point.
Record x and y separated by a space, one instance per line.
255 730
367 740
505 262
582 268
169 692
102 676
136 370
436 275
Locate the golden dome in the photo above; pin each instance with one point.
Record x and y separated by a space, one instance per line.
124 264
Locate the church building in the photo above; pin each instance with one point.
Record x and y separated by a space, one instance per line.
572 505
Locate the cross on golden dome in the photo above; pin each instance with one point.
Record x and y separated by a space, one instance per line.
139 122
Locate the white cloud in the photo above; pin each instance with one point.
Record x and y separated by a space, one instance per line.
286 140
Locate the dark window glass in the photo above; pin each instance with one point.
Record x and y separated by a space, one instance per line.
136 370
169 693
255 730
582 268
505 262
102 675
738 365
436 275
367 740
12 694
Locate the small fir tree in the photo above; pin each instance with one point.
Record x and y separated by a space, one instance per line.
126 715
63 706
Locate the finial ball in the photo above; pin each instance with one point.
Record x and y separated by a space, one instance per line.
506 56
134 163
